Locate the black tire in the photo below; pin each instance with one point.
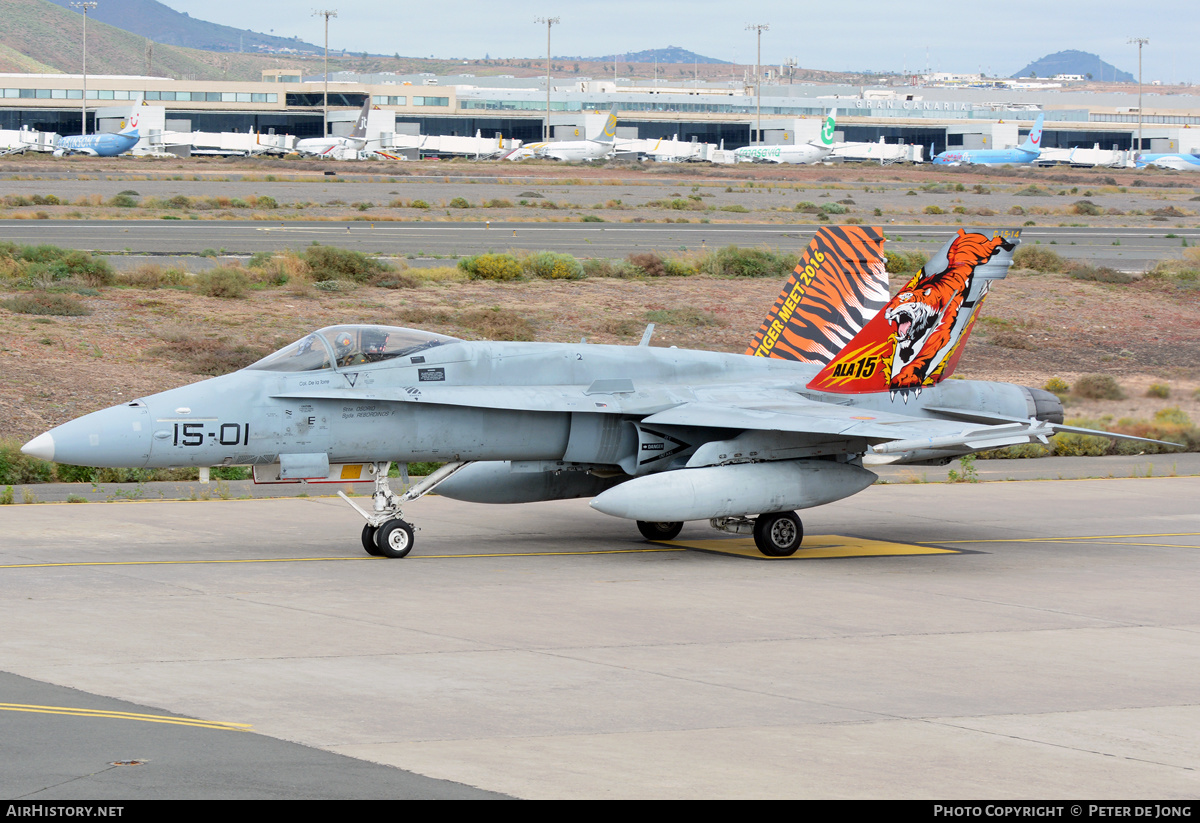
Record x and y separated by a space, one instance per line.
394 539
659 531
778 534
368 541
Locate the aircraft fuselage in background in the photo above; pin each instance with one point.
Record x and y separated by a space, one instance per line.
1023 154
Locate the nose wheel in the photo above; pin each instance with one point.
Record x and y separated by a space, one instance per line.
394 539
778 534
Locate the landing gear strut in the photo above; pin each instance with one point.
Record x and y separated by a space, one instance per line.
387 534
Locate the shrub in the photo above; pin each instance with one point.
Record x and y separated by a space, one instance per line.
647 264
59 305
599 267
1057 385
1161 390
551 265
418 204
1087 208
17 468
1100 274
591 218
904 262
223 281
95 271
737 208
1098 387
123 201
934 210
731 261
151 276
459 203
835 208
331 263
1038 258
491 267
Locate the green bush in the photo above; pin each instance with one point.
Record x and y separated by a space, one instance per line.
331 263
1038 258
459 203
1160 390
95 271
59 305
223 281
17 468
491 267
904 262
418 204
1086 208
123 201
834 208
1057 385
934 210
550 265
1098 387
731 261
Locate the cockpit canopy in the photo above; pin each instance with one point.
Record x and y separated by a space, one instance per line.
339 346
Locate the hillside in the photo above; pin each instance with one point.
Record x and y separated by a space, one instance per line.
162 24
1075 62
671 54
40 36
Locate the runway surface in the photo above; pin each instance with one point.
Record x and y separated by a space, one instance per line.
1006 640
1121 248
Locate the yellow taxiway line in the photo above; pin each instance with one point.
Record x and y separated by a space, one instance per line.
110 715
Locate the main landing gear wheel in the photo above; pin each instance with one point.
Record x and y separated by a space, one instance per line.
778 534
368 541
394 539
659 531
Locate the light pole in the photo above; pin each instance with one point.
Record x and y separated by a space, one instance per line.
327 13
549 21
760 28
85 7
1140 41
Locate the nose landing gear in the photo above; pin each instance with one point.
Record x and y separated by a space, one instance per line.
387 534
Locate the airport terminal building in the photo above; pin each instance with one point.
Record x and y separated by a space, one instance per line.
935 117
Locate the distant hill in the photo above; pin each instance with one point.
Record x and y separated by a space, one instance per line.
162 24
41 37
671 54
1075 62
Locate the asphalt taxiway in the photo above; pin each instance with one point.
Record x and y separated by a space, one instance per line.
1123 248
1023 639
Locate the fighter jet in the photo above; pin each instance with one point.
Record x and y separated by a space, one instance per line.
838 377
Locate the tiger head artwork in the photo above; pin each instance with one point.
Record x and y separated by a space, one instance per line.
924 313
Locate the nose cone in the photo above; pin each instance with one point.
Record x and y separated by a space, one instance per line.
118 437
41 447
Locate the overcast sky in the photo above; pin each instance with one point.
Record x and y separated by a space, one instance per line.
967 36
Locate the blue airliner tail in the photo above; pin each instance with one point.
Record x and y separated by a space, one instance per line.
1033 143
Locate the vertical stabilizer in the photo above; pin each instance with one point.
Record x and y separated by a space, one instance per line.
917 340
1033 142
359 132
828 129
838 286
608 134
